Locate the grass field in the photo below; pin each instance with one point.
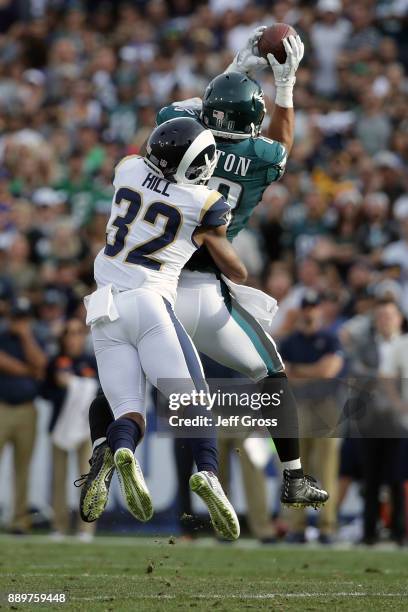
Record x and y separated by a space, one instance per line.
118 574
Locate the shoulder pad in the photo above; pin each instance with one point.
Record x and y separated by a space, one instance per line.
122 165
215 211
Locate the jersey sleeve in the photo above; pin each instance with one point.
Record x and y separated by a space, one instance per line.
216 211
273 155
185 108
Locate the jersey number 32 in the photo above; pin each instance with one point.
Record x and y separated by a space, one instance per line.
143 253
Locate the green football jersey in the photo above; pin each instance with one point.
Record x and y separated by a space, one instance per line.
244 170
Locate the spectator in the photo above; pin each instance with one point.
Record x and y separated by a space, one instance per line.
71 363
328 37
379 351
22 365
314 354
376 231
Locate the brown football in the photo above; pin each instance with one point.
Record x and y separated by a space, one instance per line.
271 41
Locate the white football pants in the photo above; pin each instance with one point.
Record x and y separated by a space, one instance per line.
147 341
221 329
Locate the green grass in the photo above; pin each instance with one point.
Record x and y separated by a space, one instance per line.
152 574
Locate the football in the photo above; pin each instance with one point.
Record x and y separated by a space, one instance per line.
271 41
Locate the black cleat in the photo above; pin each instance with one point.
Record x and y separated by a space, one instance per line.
303 491
95 485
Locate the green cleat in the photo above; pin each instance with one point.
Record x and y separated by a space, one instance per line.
223 516
95 485
133 486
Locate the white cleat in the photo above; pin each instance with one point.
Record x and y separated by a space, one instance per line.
132 484
223 516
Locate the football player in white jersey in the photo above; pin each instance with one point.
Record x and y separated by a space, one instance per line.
161 213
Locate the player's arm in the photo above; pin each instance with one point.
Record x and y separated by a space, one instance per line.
282 124
247 61
222 252
212 233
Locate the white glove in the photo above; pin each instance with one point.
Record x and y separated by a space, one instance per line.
247 60
285 73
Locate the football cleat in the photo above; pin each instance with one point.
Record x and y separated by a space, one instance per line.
222 514
302 492
95 484
132 484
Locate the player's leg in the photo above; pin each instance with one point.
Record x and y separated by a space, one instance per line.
95 484
233 337
123 382
178 370
85 530
202 309
230 335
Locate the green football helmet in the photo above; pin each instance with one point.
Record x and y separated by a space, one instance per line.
233 106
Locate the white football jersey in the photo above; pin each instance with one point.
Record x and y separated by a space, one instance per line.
149 236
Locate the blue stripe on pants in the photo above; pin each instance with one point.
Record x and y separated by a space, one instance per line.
190 355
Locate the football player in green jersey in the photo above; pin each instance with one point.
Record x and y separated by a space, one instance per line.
233 108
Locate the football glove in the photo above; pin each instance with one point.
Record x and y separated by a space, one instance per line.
247 60
285 73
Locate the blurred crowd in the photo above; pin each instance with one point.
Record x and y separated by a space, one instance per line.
80 85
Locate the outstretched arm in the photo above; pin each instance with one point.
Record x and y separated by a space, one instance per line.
247 61
282 125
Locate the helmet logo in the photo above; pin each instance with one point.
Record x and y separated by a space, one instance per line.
163 163
219 120
219 116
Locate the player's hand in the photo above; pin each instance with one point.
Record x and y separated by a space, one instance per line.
285 73
247 60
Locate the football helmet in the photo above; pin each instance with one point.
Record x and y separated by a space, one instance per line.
233 106
182 150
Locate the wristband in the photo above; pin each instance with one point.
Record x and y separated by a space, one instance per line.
284 96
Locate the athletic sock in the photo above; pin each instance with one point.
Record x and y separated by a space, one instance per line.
205 454
98 442
286 434
295 464
100 417
204 449
123 433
